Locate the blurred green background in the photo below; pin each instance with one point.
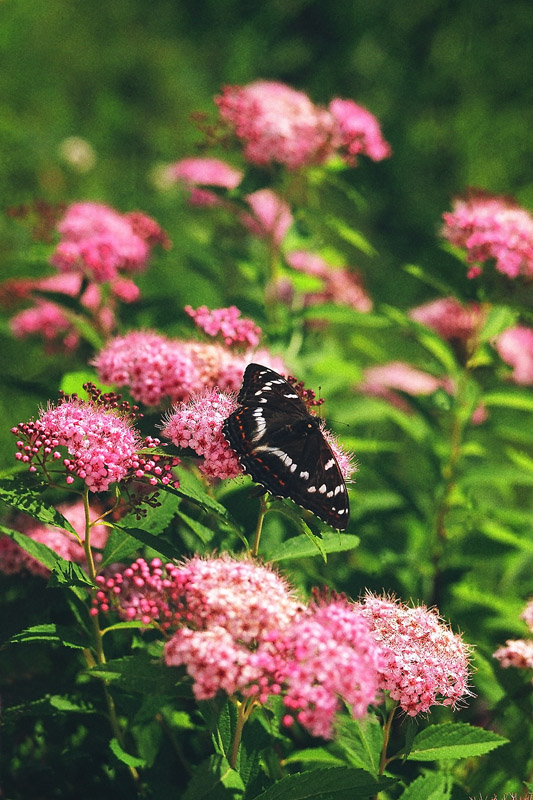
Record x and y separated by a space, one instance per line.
449 81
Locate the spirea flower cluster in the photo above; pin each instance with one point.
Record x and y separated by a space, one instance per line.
15 560
425 664
278 124
450 318
198 425
341 286
491 228
100 243
157 369
236 626
515 347
102 446
227 323
518 652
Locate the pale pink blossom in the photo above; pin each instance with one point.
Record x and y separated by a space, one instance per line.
424 662
324 658
198 425
358 132
157 369
527 615
339 285
48 320
271 216
14 560
516 653
515 347
99 242
489 227
102 446
228 323
205 172
450 318
386 380
277 124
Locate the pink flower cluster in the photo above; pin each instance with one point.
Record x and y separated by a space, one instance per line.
515 347
425 664
194 172
387 380
15 560
198 425
341 286
156 368
99 242
489 227
101 444
236 626
270 216
450 318
227 323
278 124
240 629
518 652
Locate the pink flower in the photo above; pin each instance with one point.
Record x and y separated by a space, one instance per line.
527 615
98 242
277 124
225 321
198 426
449 318
271 217
100 441
385 380
48 320
14 560
205 172
326 656
156 368
424 663
358 131
515 347
495 228
516 653
340 286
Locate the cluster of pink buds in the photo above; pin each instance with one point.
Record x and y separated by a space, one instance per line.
102 446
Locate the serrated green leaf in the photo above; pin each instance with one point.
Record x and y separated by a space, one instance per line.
50 632
67 573
21 491
126 758
157 543
327 783
44 554
138 673
120 544
361 741
302 547
432 786
453 740
203 532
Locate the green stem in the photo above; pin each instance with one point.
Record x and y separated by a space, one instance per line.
383 761
244 709
98 636
259 527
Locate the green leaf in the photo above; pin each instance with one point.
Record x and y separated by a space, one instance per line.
515 399
303 547
350 235
72 382
497 320
67 706
67 573
329 783
314 755
453 740
157 543
361 741
23 492
44 554
430 280
432 786
49 632
501 533
138 673
126 758
120 544
214 779
203 532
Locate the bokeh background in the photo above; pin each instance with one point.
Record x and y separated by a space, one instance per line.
449 81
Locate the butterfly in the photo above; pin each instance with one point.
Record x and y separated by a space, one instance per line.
282 447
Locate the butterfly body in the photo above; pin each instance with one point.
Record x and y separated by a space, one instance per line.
282 447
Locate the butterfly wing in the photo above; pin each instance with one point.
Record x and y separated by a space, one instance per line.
281 446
